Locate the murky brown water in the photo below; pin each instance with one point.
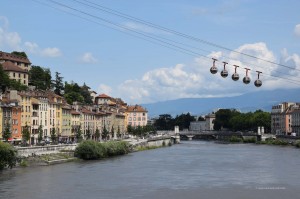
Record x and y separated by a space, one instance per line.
190 170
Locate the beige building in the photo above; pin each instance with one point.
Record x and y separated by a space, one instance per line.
16 66
136 115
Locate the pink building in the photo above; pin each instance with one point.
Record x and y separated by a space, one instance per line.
136 115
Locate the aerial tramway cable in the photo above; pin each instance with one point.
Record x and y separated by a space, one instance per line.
158 40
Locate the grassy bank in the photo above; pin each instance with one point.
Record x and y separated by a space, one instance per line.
92 150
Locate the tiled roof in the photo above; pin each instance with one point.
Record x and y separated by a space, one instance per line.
136 108
103 96
73 112
9 66
11 57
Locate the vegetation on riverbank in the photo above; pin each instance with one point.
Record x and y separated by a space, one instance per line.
274 142
92 150
8 156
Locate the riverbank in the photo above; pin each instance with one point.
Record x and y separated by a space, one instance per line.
49 155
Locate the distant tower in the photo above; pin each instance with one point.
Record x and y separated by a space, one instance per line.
258 131
176 129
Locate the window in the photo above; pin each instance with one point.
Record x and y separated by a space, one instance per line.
129 118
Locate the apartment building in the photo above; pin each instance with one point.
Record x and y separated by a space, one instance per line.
136 116
16 66
284 118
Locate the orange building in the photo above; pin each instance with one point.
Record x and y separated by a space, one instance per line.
16 123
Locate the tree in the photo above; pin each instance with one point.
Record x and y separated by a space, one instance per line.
4 79
105 132
8 156
112 132
53 135
164 122
119 132
40 77
88 134
6 133
78 134
58 84
129 129
26 134
200 118
40 134
223 117
97 134
85 93
21 54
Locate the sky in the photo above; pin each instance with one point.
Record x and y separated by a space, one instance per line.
124 58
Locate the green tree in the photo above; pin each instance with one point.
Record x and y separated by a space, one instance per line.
6 133
164 122
53 135
78 134
129 129
118 132
105 132
21 54
4 79
40 134
200 118
8 156
25 134
85 93
112 132
223 117
40 77
58 84
17 85
97 134
88 134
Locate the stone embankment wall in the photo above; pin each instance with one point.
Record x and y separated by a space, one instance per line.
42 150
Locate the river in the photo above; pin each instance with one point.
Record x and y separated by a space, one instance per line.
192 169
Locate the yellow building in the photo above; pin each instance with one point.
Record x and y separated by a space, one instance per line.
26 109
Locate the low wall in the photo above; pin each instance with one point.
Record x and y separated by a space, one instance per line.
42 150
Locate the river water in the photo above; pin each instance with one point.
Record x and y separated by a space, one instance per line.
192 169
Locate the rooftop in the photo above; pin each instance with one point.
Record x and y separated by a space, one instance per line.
15 58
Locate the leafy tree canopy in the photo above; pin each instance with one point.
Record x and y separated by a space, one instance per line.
21 54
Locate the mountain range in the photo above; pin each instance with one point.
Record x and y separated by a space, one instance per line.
263 100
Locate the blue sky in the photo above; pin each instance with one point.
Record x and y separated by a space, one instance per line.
111 61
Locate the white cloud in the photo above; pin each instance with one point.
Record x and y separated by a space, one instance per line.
11 41
88 58
105 89
51 52
31 47
297 30
195 80
8 39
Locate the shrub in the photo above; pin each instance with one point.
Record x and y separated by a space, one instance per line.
297 143
92 150
250 140
8 156
235 139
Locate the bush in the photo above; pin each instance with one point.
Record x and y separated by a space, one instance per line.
92 150
8 156
250 140
297 143
235 139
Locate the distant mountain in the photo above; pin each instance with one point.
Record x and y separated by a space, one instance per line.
247 102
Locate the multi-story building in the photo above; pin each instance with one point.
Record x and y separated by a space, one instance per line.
16 123
281 118
207 125
296 120
136 116
16 66
66 132
6 117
